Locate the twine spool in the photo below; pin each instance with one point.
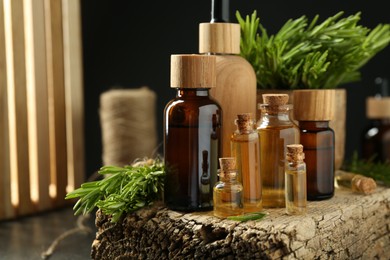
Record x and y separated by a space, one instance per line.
128 123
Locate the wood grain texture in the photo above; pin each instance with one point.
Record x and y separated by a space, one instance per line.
349 226
193 71
17 105
235 92
6 209
73 80
217 38
56 93
37 100
314 105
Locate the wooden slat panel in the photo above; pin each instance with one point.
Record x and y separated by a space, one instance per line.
17 105
6 210
38 102
74 92
55 72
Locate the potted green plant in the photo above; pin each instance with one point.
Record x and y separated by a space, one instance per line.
307 54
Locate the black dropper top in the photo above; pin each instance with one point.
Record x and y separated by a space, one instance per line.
220 11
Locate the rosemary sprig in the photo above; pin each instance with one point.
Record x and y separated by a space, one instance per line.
123 190
305 54
379 171
248 216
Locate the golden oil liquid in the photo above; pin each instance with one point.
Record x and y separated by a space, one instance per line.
246 150
227 200
296 199
273 141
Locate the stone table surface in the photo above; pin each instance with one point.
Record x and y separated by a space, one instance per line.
27 237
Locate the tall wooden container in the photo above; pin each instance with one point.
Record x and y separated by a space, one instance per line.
236 79
41 105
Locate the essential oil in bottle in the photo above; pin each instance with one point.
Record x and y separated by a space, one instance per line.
245 148
313 109
192 130
276 131
295 177
228 191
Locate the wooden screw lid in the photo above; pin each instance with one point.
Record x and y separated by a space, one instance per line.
219 38
314 105
193 71
377 108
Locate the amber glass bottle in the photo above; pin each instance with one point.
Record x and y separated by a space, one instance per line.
245 148
376 138
228 190
192 129
296 196
313 109
276 130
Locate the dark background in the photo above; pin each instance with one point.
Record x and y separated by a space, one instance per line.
129 43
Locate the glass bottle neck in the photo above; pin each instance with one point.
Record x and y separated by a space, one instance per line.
192 92
313 124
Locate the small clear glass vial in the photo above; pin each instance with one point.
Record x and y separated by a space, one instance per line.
245 147
227 193
295 178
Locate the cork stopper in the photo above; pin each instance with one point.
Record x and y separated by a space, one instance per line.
295 153
193 71
227 164
244 121
378 107
219 38
363 184
275 99
314 105
274 103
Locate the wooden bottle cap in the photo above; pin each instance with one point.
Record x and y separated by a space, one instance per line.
219 38
275 99
227 164
377 108
295 153
314 105
193 71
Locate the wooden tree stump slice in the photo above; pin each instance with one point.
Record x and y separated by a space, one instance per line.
348 226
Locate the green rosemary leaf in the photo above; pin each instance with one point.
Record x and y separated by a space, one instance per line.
124 189
333 50
249 216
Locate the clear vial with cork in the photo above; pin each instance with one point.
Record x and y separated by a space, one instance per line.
276 130
228 190
192 130
314 109
295 176
245 147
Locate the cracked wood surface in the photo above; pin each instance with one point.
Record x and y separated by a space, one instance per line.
348 226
